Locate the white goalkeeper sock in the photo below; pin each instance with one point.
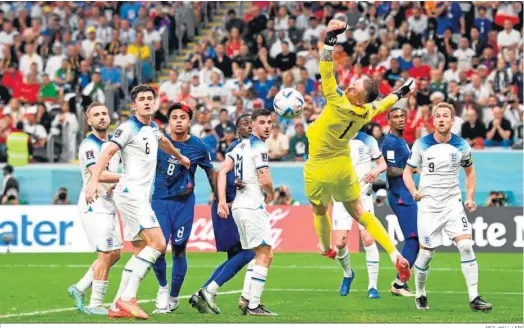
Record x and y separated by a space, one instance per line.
372 261
87 280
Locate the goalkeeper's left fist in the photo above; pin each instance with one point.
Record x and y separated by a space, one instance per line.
335 27
406 89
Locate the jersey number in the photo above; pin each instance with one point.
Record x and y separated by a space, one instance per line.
431 167
147 148
465 222
238 167
347 129
170 169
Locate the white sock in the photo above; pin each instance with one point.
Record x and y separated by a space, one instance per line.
372 260
343 259
141 266
212 287
128 268
98 293
258 280
86 281
470 267
421 270
247 279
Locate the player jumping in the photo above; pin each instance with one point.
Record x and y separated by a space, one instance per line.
174 201
99 218
227 240
328 173
364 150
438 157
396 152
249 159
138 139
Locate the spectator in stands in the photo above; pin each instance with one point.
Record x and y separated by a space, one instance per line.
452 73
127 34
95 88
239 110
55 61
197 90
104 32
277 143
419 70
66 125
10 186
171 88
110 74
477 43
234 22
263 84
499 131
277 46
464 54
64 76
473 130
406 59
48 91
74 57
150 34
143 52
209 138
298 145
481 22
497 199
113 46
222 61
209 68
500 79
88 45
126 62
226 140
224 123
36 131
424 121
285 60
513 112
61 197
509 37
480 92
28 58
188 72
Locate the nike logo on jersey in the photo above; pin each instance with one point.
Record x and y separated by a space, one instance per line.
145 138
430 158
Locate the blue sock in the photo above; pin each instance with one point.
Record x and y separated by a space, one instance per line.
233 265
410 250
160 270
178 274
215 273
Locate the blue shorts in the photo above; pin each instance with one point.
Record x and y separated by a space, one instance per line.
175 217
226 231
406 215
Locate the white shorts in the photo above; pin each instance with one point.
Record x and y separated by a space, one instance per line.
102 230
452 220
341 218
136 214
254 227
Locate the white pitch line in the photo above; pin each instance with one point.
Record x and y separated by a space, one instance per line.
291 290
212 266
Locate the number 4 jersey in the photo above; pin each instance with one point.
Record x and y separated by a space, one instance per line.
172 179
249 155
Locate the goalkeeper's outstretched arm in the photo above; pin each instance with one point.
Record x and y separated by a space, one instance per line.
329 83
386 103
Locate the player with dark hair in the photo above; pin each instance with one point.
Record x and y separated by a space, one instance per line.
227 238
174 201
329 173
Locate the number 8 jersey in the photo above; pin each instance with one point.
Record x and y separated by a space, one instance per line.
138 146
249 156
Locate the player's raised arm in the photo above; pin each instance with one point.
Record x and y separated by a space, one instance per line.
329 83
168 148
386 103
227 165
471 179
97 169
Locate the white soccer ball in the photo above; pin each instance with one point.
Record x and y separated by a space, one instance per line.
288 103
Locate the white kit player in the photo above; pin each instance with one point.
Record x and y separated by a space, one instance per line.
138 140
249 159
364 151
99 218
438 157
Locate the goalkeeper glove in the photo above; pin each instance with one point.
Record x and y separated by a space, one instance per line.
408 87
331 36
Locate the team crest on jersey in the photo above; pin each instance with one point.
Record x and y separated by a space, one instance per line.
264 157
427 240
454 158
361 151
90 155
117 133
109 242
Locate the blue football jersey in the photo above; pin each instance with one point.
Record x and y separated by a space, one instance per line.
172 178
396 152
231 190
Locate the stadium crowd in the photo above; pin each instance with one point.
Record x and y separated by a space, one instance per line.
466 53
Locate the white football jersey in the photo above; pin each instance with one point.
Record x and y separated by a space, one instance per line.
439 165
249 156
89 151
364 151
138 146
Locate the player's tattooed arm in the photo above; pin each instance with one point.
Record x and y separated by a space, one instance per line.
212 179
264 179
326 55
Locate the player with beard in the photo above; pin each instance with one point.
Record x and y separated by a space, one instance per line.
438 157
174 201
396 152
99 218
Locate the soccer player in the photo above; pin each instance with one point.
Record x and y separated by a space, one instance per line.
438 157
138 139
174 201
364 150
227 239
396 151
328 172
249 159
99 218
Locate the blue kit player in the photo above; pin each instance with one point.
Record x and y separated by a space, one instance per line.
174 201
396 152
227 238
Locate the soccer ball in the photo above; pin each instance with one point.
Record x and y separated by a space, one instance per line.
288 103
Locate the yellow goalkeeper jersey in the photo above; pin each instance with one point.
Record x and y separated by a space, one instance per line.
329 135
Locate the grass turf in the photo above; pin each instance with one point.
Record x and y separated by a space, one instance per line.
300 288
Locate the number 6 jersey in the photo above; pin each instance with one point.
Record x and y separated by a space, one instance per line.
138 147
249 155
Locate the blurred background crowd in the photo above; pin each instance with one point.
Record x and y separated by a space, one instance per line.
226 59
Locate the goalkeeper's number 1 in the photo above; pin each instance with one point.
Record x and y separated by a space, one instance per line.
346 130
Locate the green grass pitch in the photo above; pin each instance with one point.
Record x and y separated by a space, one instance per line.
300 288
